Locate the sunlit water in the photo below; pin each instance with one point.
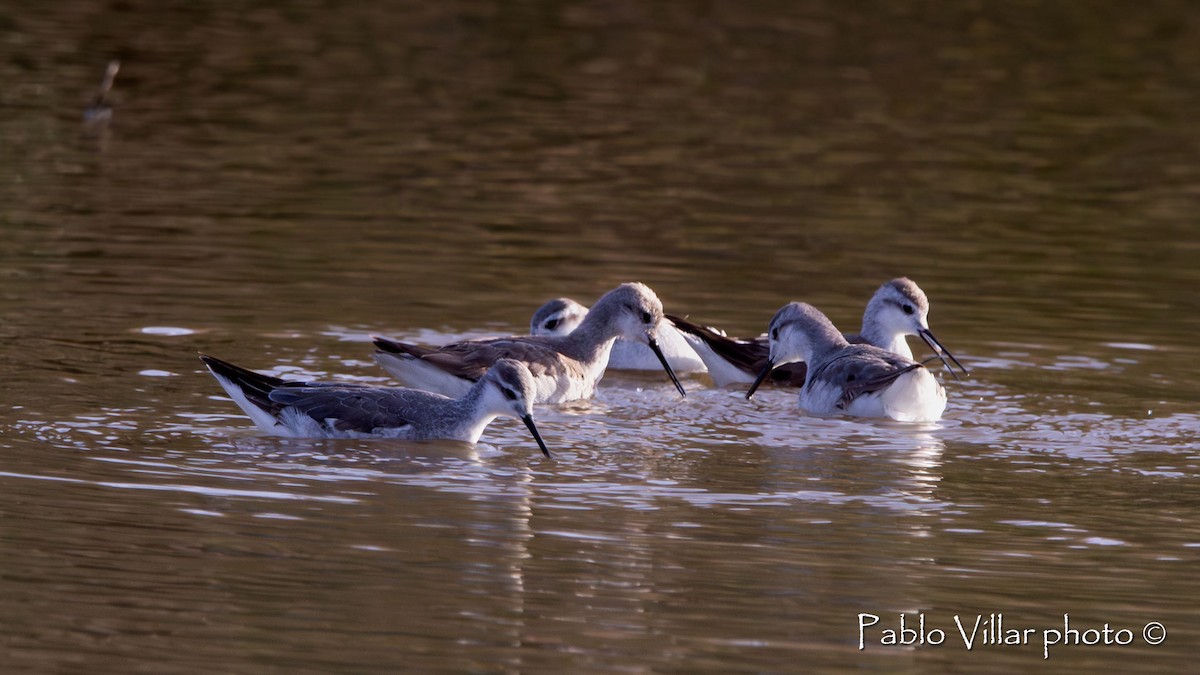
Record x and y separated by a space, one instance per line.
436 174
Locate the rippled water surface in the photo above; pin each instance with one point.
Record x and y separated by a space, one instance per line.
279 182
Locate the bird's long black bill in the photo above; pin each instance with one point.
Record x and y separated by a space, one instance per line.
666 366
528 420
942 352
759 380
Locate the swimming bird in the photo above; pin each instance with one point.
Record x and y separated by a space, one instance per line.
858 380
334 410
564 368
560 316
899 308
100 110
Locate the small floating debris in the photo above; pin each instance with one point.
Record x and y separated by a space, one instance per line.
1131 345
1067 362
168 331
277 516
156 373
204 512
1104 541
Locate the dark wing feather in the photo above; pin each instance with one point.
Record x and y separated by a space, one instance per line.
748 355
353 408
862 369
471 359
256 386
403 348
346 407
539 353
450 358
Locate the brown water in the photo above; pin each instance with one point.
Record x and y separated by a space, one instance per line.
277 183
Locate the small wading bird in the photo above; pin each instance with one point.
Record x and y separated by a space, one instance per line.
99 110
898 309
564 368
332 410
857 380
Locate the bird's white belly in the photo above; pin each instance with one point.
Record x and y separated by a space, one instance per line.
915 396
419 374
560 388
631 355
570 380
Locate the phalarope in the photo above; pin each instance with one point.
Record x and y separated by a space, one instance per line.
858 380
897 309
560 316
99 110
564 368
333 410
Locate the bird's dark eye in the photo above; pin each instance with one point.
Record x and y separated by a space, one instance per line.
774 333
908 309
553 323
510 394
646 318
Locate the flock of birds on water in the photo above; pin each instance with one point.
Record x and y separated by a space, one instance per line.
456 390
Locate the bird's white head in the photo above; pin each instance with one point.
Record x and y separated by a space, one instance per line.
897 309
799 332
510 392
635 313
559 316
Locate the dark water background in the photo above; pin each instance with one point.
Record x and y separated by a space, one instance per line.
280 180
